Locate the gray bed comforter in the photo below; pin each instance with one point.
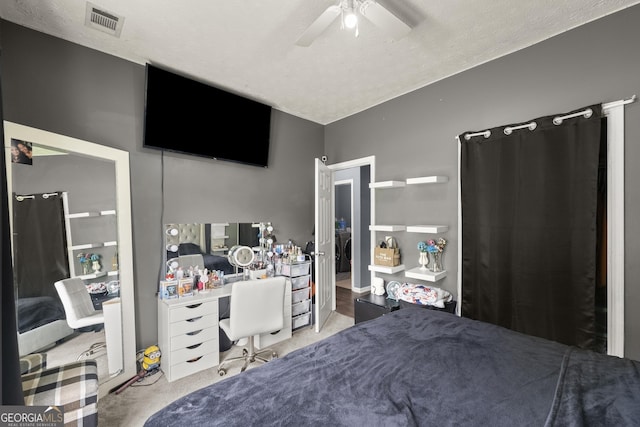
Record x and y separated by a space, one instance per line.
417 367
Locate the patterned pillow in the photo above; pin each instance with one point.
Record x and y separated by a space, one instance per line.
423 295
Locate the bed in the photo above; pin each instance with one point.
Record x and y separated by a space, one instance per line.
41 322
417 367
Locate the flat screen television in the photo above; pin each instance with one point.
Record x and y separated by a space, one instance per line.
187 116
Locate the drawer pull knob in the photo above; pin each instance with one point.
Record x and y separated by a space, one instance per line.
194 359
194 305
191 347
194 332
194 319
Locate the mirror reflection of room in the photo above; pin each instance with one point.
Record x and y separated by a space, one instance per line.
64 238
214 246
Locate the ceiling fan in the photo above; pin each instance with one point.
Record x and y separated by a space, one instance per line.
370 9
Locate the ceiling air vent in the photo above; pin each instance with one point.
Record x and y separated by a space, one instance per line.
102 20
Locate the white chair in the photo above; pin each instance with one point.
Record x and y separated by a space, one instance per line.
256 307
79 309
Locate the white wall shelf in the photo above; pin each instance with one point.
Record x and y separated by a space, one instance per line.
91 214
387 184
388 270
432 229
387 228
415 273
435 179
93 245
428 275
93 275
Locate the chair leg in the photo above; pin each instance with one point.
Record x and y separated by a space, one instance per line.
249 356
96 347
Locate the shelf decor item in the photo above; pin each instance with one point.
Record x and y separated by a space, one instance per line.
436 248
89 261
423 259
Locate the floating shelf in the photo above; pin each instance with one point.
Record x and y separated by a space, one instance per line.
93 275
436 179
388 270
433 229
91 214
387 184
93 245
430 276
387 228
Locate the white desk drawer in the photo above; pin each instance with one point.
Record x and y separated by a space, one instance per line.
300 307
301 320
300 295
190 311
185 326
183 369
197 337
293 270
194 351
300 282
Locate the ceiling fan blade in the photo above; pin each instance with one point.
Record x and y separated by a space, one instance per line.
318 26
384 19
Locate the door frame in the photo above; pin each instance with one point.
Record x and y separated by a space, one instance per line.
356 163
355 234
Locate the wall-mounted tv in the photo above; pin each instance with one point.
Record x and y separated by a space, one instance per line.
187 116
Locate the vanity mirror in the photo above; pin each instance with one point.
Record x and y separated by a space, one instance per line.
83 188
213 241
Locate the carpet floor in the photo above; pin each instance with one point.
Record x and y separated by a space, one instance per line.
143 398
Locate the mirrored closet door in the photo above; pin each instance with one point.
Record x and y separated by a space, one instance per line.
70 214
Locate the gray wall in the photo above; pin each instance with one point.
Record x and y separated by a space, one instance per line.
64 88
343 203
414 135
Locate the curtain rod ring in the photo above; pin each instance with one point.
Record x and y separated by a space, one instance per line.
486 134
586 113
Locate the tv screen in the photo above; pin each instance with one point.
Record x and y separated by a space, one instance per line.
187 116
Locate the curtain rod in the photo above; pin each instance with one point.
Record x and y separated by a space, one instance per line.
620 102
556 120
31 196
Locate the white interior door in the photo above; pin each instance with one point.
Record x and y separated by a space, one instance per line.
324 244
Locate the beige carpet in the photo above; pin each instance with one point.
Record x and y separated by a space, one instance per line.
140 400
74 348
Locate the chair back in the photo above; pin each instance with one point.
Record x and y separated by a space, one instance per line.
256 307
76 301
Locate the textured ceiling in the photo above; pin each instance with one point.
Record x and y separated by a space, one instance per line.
248 46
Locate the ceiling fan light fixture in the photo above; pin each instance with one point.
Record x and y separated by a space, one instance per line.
350 20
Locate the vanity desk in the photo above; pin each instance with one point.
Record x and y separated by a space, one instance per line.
188 331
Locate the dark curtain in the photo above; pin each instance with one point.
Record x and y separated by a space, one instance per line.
247 235
40 244
529 235
11 384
